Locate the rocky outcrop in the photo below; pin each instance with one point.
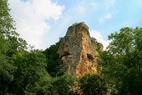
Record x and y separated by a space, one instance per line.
77 50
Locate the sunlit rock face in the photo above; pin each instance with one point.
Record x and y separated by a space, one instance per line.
77 51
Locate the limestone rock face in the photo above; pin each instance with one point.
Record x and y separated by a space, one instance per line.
78 51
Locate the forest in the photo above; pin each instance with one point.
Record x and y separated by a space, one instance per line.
28 71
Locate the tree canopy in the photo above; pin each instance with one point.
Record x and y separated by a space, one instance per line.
122 64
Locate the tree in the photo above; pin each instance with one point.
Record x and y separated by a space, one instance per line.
53 61
6 21
31 76
126 46
61 85
122 64
7 32
92 84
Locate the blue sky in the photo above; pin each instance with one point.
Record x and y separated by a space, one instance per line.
43 22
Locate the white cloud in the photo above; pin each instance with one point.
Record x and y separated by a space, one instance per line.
95 4
110 3
105 4
107 7
98 36
30 16
105 17
80 10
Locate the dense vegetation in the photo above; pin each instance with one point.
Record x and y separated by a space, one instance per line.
37 72
122 62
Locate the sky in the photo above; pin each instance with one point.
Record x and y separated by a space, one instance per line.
42 22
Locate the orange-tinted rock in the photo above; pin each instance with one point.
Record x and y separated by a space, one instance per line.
77 51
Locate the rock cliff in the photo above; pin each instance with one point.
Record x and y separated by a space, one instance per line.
77 50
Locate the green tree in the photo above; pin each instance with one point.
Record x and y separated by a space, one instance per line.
7 30
6 21
122 63
8 41
31 76
126 46
53 61
92 84
61 85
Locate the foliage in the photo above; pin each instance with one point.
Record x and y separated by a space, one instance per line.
10 44
126 46
6 74
98 45
6 21
92 84
31 75
61 85
53 61
75 23
122 64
